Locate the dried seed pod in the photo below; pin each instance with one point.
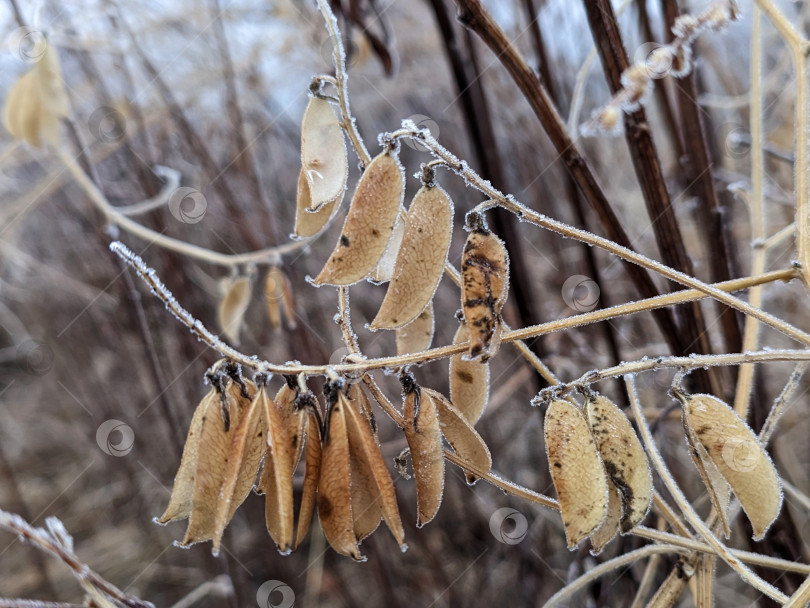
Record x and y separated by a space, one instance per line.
576 470
311 476
423 434
278 297
418 334
242 466
181 500
323 153
234 305
220 420
607 531
716 485
334 490
369 223
420 261
373 494
460 434
37 100
384 270
469 381
739 457
623 456
283 428
309 223
484 287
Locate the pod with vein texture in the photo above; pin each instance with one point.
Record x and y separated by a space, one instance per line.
420 261
37 101
323 153
244 458
384 269
716 485
284 431
423 434
215 441
309 223
374 476
234 305
739 457
576 470
418 334
311 476
369 224
334 486
623 456
460 434
181 500
607 531
484 287
469 381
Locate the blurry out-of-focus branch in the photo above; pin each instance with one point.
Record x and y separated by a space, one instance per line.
55 540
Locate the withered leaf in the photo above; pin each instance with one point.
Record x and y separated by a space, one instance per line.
469 381
418 334
423 434
215 441
234 305
623 456
484 287
323 153
369 223
311 476
460 434
420 262
37 100
182 496
610 526
576 470
334 486
309 223
374 477
739 457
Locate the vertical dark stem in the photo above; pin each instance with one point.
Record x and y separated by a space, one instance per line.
475 16
605 30
571 187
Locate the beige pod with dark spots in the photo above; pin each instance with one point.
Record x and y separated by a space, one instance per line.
418 334
623 456
469 381
420 262
576 470
323 153
739 457
369 224
484 287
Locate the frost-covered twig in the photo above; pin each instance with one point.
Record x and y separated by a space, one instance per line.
55 540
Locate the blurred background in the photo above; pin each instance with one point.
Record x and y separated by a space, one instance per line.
98 381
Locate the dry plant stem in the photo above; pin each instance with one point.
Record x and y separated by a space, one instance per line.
685 506
643 153
524 213
670 516
101 591
799 49
475 16
22 603
151 279
612 564
801 597
270 255
781 403
745 379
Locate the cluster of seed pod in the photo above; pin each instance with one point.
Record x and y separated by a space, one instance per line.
240 437
599 469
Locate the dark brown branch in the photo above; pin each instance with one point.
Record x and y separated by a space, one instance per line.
475 16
